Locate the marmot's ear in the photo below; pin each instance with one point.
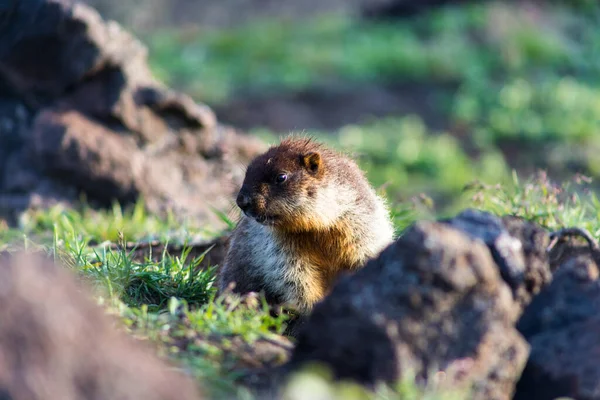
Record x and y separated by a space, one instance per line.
312 162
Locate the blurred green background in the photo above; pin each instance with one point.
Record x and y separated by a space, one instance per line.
429 102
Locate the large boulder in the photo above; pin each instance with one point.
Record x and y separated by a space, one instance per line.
433 301
80 113
56 343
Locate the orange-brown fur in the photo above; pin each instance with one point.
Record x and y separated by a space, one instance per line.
331 253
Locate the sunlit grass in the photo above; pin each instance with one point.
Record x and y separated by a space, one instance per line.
171 302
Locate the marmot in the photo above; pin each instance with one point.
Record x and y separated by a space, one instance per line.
309 214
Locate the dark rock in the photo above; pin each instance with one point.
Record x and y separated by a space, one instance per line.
434 300
403 8
563 329
56 343
563 363
518 248
573 296
82 114
48 47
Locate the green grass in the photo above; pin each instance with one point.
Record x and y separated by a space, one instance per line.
134 223
551 110
199 338
291 54
474 43
571 204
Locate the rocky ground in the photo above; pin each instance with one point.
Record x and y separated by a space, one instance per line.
495 308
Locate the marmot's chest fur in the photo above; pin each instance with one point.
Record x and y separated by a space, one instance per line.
309 215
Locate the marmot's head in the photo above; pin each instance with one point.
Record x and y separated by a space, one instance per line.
281 186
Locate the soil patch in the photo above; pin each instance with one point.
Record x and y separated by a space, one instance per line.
331 107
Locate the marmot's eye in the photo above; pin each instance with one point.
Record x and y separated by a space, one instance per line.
281 178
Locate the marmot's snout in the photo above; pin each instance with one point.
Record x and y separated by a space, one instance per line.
253 205
243 200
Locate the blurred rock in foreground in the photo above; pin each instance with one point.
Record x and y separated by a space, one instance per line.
434 304
56 344
497 305
80 113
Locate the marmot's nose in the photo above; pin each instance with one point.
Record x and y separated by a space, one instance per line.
243 201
